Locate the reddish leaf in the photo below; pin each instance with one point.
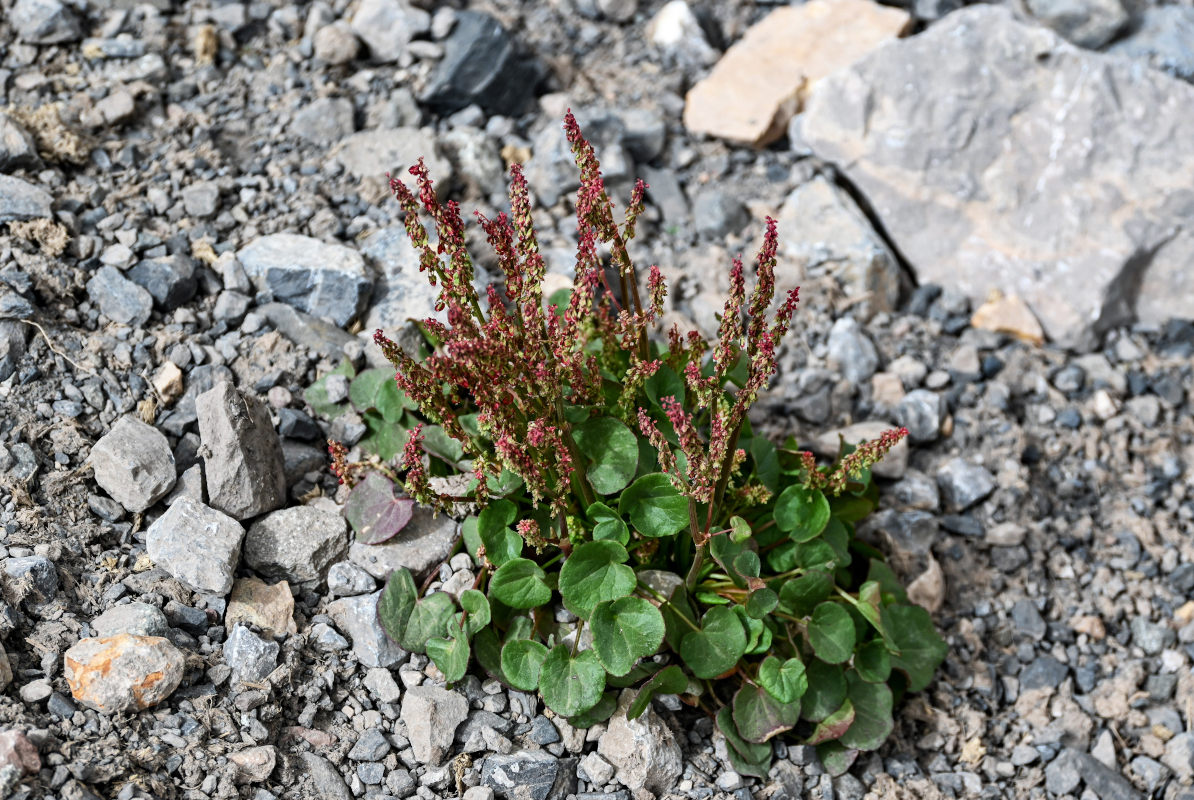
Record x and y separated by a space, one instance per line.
373 511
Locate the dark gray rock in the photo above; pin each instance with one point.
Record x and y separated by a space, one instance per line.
325 778
37 571
482 66
310 332
20 200
1044 672
133 463
198 545
1151 637
665 193
296 424
12 346
535 774
372 746
118 298
909 532
14 306
1063 774
963 484
324 280
250 657
243 463
44 22
17 148
1028 619
1086 23
170 280
1163 37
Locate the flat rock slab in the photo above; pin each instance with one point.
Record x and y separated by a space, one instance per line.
133 464
432 715
325 280
357 617
1000 157
198 545
760 83
123 672
20 200
371 154
643 751
243 464
422 545
296 544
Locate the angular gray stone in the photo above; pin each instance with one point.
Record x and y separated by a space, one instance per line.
296 544
893 465
1179 756
921 412
45 22
822 232
139 619
529 775
13 346
387 26
401 293
133 463
357 617
198 545
425 543
346 579
475 159
250 657
372 746
851 351
371 154
432 715
909 533
118 298
643 751
201 199
170 280
963 484
242 459
1063 774
336 44
303 329
17 148
1163 38
1151 637
1086 23
482 66
324 280
37 572
994 152
328 782
324 121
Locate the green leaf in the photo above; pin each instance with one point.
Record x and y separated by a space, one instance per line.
522 660
608 524
384 439
625 630
921 649
669 680
679 618
593 574
759 716
872 714
763 452
377 389
408 620
800 596
520 627
656 509
761 602
717 647
831 633
476 605
837 536
835 758
786 681
725 550
611 450
802 513
666 382
520 583
889 584
428 619
747 564
316 394
749 752
739 530
373 511
641 671
755 629
826 690
833 726
489 653
450 655
437 442
603 710
873 662
501 542
571 685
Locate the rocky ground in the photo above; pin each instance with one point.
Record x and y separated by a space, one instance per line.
193 211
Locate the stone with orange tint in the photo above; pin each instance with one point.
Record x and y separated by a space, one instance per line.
123 672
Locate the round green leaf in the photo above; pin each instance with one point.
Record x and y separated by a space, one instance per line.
835 758
593 574
833 726
749 752
655 507
873 662
826 690
501 542
611 450
761 602
437 442
739 530
669 680
396 603
800 596
365 386
603 710
785 680
608 524
384 439
522 660
476 605
831 633
520 583
920 648
428 619
625 630
571 685
450 655
759 716
802 513
373 511
717 647
872 714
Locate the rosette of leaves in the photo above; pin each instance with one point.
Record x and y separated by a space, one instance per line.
631 529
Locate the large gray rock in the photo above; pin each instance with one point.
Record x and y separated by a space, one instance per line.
823 232
999 156
118 298
422 545
12 346
250 657
387 26
325 280
45 22
529 775
20 200
1086 23
17 148
243 460
400 294
1163 38
644 751
323 121
432 715
139 619
482 66
371 154
133 464
198 545
296 544
357 617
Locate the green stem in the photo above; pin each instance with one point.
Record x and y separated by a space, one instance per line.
580 626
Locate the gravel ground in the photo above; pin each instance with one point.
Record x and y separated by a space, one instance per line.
192 207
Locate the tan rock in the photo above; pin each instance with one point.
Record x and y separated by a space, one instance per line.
168 382
887 389
1011 315
254 764
928 590
123 672
255 602
761 82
